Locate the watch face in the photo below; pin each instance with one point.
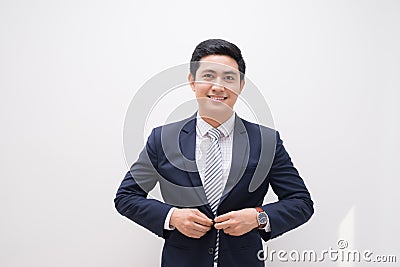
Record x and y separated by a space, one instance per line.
262 218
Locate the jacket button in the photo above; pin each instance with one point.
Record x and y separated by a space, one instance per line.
210 251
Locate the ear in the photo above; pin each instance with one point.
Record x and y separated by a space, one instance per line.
242 85
191 81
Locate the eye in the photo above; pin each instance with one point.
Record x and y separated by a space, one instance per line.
208 76
230 78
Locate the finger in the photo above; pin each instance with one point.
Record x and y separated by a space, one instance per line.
196 233
224 217
190 232
202 219
222 225
234 233
193 234
201 228
228 231
200 214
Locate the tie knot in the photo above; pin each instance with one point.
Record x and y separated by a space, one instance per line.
214 133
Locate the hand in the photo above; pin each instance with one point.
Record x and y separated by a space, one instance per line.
190 222
237 223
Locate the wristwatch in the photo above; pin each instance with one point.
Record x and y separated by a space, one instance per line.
262 218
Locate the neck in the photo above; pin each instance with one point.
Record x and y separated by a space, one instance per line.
212 122
215 120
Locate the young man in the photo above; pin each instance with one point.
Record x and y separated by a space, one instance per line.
207 165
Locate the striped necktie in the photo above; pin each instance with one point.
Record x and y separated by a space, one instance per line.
213 176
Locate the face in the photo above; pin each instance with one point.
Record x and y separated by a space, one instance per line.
217 84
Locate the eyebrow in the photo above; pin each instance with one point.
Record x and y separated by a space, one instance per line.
230 72
225 72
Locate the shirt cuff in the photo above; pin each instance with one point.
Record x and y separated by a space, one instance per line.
167 226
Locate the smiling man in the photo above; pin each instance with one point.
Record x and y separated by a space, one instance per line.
209 216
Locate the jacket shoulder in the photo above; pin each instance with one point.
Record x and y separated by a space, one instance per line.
252 127
181 125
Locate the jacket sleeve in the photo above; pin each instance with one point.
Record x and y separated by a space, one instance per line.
294 206
131 199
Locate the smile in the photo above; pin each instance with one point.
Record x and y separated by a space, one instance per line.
218 98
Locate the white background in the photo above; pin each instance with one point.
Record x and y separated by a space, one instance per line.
69 69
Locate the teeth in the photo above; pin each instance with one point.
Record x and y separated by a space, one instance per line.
217 98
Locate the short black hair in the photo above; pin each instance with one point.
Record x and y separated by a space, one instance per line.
217 47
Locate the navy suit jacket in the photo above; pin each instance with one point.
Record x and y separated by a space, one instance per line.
259 160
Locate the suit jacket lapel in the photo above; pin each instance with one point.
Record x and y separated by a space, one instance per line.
240 155
187 142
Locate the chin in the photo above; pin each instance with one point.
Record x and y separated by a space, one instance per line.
220 110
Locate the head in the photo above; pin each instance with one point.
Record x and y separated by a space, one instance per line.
216 76
217 47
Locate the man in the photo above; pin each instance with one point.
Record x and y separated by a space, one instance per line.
214 170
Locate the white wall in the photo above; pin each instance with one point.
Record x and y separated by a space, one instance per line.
69 69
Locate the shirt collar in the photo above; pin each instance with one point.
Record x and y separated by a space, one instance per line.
226 128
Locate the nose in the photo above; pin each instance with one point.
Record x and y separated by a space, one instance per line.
217 85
